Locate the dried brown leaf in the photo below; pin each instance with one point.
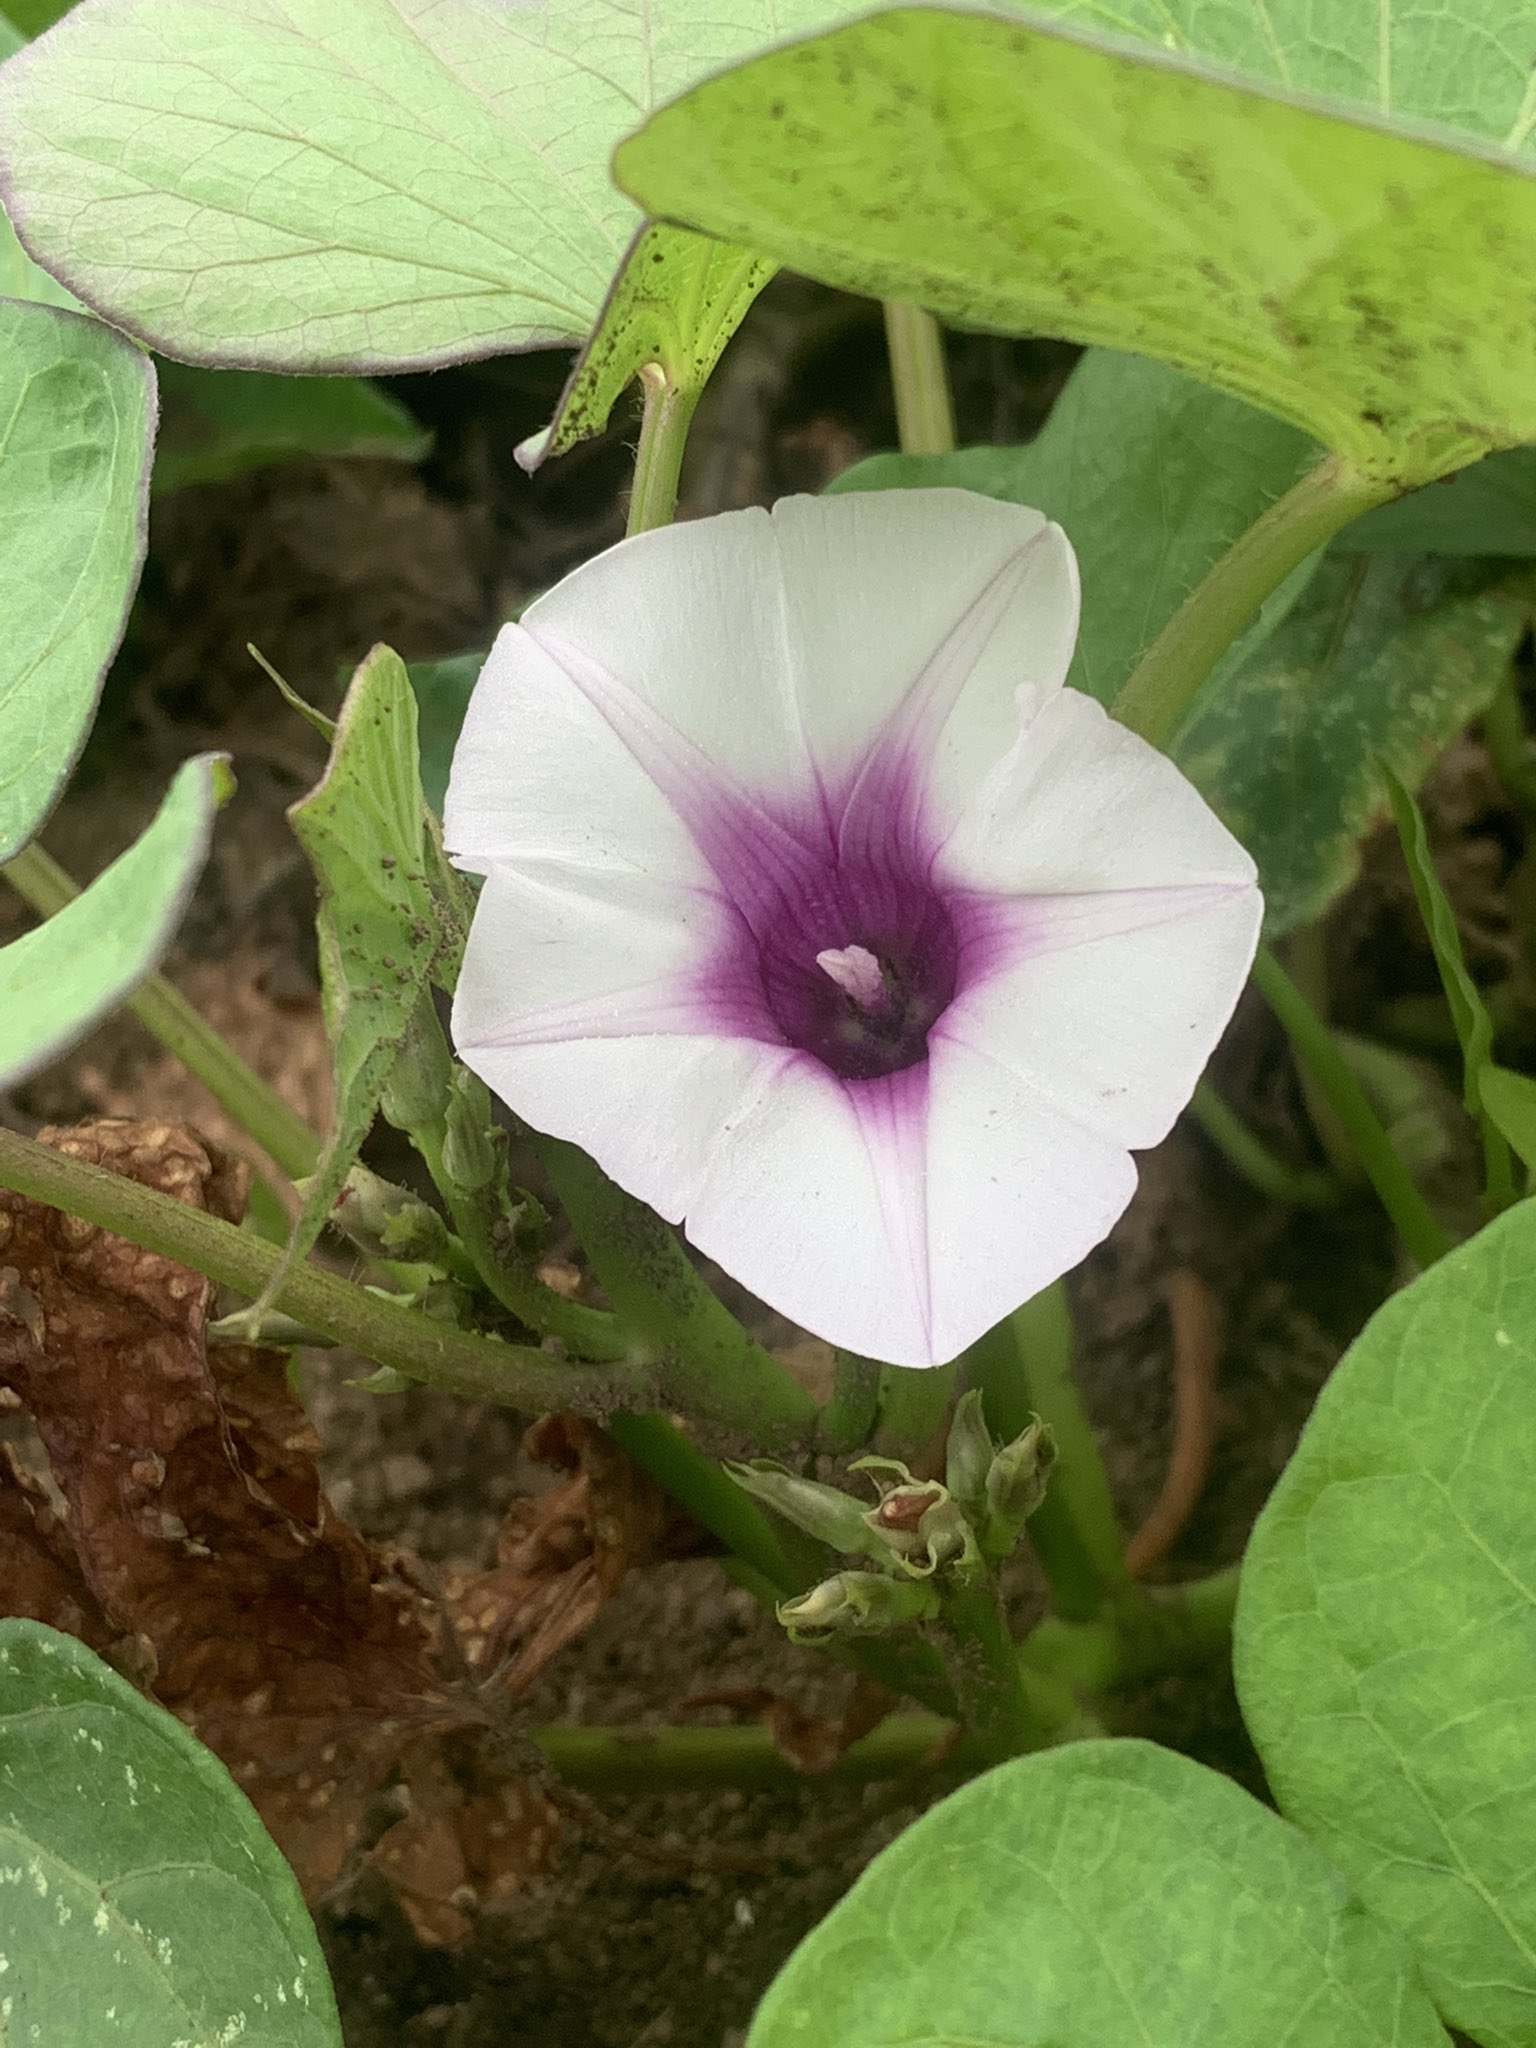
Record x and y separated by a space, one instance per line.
196 1539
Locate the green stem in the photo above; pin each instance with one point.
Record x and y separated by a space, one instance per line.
1024 1367
1313 1042
1170 675
165 1012
713 1499
659 458
418 1346
587 1332
925 414
1301 1187
711 1369
1187 1625
656 1759
914 1401
999 1702
1172 1628
848 1420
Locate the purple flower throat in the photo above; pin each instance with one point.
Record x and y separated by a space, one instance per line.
842 944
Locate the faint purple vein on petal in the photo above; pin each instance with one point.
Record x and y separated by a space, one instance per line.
1000 932
883 786
892 1112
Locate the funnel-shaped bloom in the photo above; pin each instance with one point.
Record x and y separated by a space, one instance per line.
826 920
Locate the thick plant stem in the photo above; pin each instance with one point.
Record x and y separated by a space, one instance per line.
1169 676
1313 1042
659 457
711 1369
996 1701
1301 1187
848 1420
418 1346
188 1036
1024 1367
925 414
588 1332
914 1402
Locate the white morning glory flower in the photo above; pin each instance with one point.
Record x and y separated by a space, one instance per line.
827 920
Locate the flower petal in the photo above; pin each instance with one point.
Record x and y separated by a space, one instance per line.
779 646
540 775
916 616
902 1218
813 1200
1017 1193
1079 803
1114 1002
555 954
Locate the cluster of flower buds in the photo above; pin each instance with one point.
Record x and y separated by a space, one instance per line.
998 1487
388 1222
474 1145
920 1534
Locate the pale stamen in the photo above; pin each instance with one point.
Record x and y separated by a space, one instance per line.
858 974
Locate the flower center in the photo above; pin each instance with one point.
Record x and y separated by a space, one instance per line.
865 1008
860 977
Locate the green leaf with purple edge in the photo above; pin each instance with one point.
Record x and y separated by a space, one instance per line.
60 979
79 405
348 184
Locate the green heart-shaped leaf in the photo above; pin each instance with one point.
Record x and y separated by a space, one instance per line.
145 1904
79 406
1386 1631
1339 267
1103 1893
348 184
59 980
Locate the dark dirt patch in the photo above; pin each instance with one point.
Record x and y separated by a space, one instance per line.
638 1937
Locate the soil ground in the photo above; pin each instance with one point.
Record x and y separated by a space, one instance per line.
639 1937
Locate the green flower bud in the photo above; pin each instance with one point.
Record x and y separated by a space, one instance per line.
857 1604
821 1511
1016 1485
388 1222
474 1147
968 1455
885 1473
923 1528
418 1082
896 1522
